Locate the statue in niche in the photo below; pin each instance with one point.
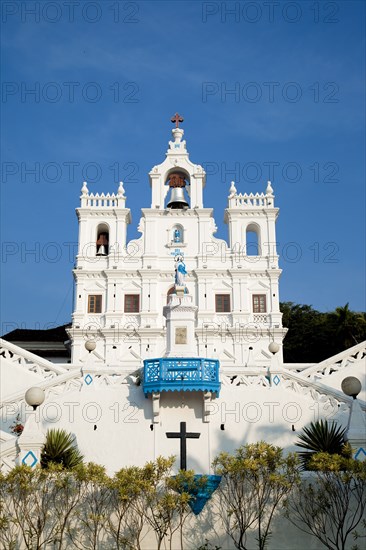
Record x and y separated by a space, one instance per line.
180 271
177 236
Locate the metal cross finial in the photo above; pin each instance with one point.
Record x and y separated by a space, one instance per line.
177 119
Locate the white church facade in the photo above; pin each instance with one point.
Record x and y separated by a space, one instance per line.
176 330
122 287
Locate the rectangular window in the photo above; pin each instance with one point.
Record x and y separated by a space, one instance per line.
259 303
132 303
95 303
223 303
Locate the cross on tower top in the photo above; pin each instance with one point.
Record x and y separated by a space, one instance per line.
177 119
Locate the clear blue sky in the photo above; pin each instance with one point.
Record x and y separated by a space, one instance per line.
107 78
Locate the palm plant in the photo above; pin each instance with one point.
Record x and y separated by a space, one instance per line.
350 326
60 448
322 437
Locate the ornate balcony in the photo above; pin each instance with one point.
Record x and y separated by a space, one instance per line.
181 374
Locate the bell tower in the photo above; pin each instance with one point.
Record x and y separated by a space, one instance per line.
179 174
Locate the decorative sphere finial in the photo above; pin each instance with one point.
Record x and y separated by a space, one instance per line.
90 345
351 386
273 347
34 397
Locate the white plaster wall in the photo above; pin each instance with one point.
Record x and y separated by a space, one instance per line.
114 425
14 378
111 425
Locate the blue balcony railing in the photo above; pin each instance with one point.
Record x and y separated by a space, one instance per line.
181 374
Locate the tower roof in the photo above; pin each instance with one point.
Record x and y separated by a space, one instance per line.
177 162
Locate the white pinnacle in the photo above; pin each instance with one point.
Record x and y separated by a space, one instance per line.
84 189
121 190
269 190
232 190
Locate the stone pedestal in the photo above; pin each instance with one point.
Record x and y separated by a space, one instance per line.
180 316
31 441
356 431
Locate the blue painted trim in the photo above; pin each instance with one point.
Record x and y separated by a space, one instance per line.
181 374
201 492
32 456
360 451
88 379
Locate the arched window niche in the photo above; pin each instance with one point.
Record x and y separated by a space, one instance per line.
102 243
177 236
253 240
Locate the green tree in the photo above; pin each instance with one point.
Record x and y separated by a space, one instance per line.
306 339
332 504
255 481
60 448
87 528
187 485
67 494
125 524
314 336
164 509
349 327
9 529
27 519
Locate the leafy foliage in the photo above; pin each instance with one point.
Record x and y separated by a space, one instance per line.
126 492
166 503
60 448
350 327
93 513
84 508
322 437
332 503
256 479
26 500
313 336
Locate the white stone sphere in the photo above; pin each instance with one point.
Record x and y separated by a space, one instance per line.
34 396
351 386
90 345
273 347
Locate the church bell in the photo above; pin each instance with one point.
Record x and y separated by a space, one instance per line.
177 198
102 244
102 251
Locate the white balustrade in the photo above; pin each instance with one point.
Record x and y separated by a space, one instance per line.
29 361
261 318
340 361
96 200
251 200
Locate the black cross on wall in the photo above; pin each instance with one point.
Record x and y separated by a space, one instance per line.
183 435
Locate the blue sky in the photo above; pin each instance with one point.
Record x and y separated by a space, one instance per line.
107 78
